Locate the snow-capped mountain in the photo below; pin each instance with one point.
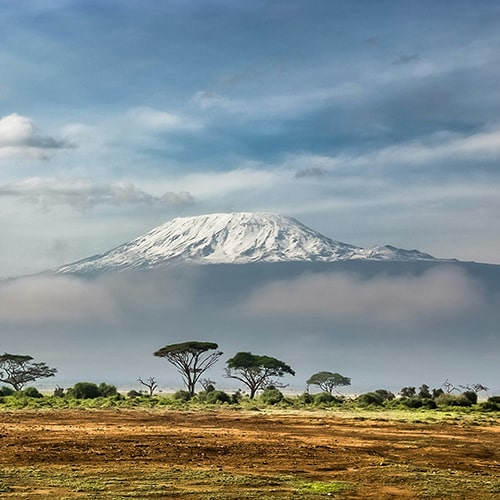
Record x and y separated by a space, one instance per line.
233 238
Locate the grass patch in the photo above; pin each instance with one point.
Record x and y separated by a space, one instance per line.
322 488
149 482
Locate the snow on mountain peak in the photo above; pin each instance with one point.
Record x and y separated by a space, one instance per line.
235 238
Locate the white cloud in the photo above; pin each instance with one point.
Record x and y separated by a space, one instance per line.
158 120
439 293
438 147
483 145
85 193
19 137
211 185
279 104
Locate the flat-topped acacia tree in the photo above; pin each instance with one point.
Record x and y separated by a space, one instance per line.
328 381
191 359
256 371
19 369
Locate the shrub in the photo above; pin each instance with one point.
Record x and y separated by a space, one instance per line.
451 400
6 391
133 394
236 397
182 395
413 402
470 396
306 398
492 404
215 396
271 396
384 394
325 398
106 390
58 392
430 404
369 398
84 390
32 392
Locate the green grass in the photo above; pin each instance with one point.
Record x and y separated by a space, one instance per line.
321 487
463 415
144 483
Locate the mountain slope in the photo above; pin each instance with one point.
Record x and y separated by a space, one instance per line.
233 238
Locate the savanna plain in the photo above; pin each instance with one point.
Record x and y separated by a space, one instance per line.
228 453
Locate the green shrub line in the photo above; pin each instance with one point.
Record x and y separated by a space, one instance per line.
91 395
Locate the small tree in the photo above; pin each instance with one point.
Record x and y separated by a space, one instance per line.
256 372
18 369
150 383
191 359
328 381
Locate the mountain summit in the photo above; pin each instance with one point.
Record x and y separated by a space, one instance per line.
233 238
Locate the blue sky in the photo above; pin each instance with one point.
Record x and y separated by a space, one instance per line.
372 122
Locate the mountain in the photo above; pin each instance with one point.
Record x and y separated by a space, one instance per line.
234 238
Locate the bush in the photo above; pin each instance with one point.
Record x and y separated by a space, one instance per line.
326 398
6 391
271 396
384 394
236 397
306 398
430 404
492 404
31 392
470 396
84 390
413 402
58 392
106 390
133 394
370 398
182 395
451 400
215 396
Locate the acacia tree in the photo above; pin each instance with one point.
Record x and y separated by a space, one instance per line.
328 381
18 369
256 372
191 359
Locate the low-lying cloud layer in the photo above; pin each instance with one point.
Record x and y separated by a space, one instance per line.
423 325
445 293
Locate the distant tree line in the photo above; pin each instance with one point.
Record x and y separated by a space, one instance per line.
257 373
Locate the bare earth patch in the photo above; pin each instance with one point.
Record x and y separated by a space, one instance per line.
139 453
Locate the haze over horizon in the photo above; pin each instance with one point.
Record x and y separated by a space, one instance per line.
372 123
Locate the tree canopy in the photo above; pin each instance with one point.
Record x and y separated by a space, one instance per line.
19 369
328 381
256 371
191 359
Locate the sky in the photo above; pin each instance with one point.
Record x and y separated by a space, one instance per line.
370 122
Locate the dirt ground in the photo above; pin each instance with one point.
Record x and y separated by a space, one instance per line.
230 454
